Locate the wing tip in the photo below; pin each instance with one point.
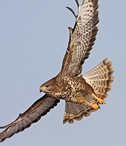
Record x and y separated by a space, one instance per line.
1 140
2 137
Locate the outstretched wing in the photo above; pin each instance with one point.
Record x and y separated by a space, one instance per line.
40 108
82 37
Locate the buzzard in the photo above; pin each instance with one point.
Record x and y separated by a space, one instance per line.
82 93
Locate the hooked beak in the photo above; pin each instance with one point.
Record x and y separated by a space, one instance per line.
41 89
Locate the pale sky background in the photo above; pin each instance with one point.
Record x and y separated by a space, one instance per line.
33 41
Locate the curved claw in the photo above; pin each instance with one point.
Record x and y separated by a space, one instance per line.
101 101
72 11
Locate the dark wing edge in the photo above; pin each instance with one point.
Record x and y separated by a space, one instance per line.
82 37
40 108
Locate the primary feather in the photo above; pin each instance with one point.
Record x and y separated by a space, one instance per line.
82 94
82 38
40 108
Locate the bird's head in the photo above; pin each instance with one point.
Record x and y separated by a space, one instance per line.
49 87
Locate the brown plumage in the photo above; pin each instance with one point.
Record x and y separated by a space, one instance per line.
83 93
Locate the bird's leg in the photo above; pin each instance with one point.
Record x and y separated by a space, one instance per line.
80 99
95 106
101 101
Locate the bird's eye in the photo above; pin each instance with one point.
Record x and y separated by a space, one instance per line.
47 86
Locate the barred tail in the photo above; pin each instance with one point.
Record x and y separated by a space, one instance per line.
100 78
76 111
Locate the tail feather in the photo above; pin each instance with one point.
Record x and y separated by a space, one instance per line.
100 78
76 111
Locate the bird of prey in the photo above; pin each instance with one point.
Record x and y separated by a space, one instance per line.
82 93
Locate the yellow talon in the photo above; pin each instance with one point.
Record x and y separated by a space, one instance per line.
95 106
101 101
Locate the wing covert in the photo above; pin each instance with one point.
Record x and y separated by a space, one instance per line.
40 108
82 37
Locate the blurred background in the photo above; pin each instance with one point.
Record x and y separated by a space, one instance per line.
33 41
